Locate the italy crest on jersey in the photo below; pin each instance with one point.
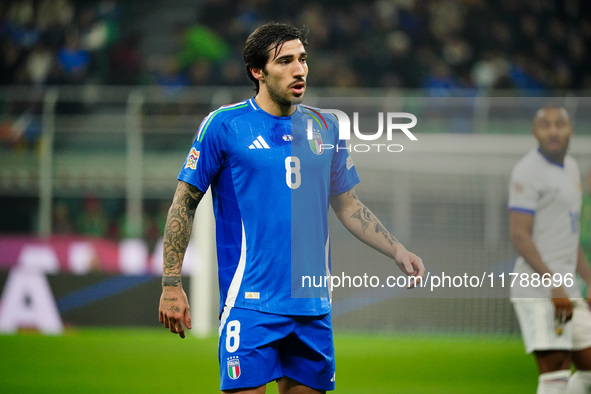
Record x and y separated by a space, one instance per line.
234 368
316 143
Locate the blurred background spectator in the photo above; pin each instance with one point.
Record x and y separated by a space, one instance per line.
93 220
73 61
62 221
531 45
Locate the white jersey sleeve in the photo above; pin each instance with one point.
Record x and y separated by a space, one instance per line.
551 192
524 188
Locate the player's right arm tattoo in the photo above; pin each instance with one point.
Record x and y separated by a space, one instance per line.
177 231
173 280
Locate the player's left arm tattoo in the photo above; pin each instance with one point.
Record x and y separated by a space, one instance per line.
360 220
380 229
367 218
363 216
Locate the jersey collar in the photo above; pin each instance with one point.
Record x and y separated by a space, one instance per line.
561 165
256 107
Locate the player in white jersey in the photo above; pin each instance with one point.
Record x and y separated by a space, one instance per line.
271 188
544 204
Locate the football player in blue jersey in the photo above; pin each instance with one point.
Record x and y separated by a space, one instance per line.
271 187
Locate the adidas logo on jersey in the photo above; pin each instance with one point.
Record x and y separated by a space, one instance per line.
259 143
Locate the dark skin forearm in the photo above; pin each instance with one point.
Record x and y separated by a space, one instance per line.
521 235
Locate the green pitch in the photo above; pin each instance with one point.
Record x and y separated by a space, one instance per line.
155 361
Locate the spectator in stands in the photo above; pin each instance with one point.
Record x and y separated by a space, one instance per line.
125 63
200 73
11 58
169 76
460 34
201 43
21 12
231 73
55 13
40 64
73 61
441 80
97 35
62 222
93 220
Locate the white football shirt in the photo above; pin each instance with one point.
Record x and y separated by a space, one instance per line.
552 193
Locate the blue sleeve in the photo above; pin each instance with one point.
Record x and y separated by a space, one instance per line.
343 175
206 156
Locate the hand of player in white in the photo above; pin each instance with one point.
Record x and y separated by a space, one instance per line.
563 306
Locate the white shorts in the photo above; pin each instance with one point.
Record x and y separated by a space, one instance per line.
538 325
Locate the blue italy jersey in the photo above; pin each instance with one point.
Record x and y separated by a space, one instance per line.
271 186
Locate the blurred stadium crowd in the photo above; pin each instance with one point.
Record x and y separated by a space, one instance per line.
56 41
529 45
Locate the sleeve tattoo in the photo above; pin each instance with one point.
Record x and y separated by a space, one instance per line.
177 231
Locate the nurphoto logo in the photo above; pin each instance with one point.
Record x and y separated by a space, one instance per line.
392 125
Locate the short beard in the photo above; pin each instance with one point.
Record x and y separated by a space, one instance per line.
280 101
557 156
